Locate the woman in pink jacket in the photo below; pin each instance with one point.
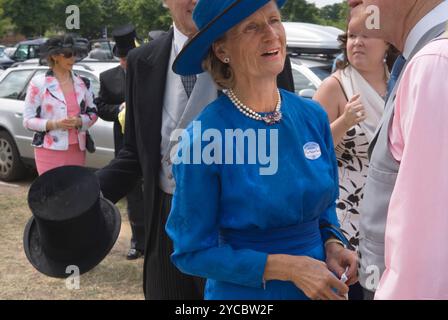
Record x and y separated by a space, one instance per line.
59 108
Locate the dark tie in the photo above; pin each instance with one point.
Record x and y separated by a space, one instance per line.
188 82
396 71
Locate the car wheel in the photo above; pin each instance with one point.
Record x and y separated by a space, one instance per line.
11 166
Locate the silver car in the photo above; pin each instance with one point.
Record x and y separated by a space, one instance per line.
16 152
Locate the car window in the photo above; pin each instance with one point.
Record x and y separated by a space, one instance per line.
33 52
21 52
322 72
38 72
14 83
301 81
105 46
93 81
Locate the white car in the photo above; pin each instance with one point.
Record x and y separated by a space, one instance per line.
306 82
312 49
312 38
15 141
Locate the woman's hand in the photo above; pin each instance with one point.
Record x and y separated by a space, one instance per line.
339 259
69 123
354 112
309 275
316 281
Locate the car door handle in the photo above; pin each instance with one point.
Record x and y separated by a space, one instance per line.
18 115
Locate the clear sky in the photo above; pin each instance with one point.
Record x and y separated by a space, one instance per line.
321 3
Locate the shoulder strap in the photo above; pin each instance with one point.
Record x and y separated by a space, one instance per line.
342 88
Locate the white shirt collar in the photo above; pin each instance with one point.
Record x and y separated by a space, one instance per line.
179 40
435 17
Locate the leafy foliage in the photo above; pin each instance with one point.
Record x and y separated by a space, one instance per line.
36 18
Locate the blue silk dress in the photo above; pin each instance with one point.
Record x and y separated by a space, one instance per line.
226 218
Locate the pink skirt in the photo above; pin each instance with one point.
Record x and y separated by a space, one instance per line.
47 159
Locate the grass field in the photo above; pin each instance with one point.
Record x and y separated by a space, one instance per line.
114 278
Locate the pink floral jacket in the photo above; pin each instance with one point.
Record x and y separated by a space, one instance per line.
45 101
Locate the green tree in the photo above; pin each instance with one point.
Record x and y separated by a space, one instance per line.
30 17
334 15
36 18
146 15
330 12
5 23
300 11
91 17
111 16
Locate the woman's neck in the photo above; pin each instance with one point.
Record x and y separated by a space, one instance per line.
375 76
260 96
61 74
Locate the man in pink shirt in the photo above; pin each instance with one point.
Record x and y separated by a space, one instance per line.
415 133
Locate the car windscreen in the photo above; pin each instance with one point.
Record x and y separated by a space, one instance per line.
321 72
14 83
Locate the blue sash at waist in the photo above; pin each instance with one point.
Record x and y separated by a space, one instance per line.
297 239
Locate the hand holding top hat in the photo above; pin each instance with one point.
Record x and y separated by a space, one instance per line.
72 224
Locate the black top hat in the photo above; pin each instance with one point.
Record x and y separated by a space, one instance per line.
72 224
124 37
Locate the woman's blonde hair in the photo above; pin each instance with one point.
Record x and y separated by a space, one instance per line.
221 72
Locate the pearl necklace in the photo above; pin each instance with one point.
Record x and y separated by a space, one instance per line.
270 119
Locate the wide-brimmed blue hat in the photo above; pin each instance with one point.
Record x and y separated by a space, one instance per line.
213 19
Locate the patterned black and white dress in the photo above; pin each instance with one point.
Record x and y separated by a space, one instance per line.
351 153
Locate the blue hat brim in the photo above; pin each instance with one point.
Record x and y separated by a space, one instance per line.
189 60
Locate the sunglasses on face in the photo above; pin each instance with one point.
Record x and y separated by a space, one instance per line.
67 53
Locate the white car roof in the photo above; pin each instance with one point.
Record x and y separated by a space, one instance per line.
91 66
313 36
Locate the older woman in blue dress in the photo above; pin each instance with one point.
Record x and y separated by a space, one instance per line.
255 232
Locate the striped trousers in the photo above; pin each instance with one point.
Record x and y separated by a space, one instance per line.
162 280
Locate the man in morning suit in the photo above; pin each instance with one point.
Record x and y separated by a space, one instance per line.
110 102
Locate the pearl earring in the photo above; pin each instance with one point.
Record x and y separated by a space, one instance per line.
226 60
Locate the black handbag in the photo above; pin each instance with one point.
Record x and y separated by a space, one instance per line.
90 144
